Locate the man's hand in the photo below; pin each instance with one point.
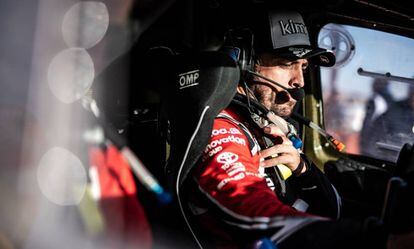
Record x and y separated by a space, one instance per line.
283 153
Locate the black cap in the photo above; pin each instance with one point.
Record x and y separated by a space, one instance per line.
289 38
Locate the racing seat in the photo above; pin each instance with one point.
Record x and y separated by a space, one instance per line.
195 90
200 86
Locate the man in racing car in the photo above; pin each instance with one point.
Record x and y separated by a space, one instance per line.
236 195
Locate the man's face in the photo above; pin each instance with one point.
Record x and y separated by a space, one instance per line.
287 73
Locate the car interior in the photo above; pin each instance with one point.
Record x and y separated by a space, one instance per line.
356 119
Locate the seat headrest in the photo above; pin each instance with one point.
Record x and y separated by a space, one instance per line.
200 86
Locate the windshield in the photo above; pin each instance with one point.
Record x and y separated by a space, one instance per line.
369 94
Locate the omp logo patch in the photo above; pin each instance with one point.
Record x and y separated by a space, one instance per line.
188 79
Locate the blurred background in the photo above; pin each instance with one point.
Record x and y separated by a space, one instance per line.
52 58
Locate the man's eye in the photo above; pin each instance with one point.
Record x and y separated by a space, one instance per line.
286 64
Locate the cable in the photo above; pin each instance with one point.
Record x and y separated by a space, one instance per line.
335 143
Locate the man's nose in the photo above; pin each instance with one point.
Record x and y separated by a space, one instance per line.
297 80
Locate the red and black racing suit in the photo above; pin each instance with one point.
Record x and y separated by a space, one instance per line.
231 202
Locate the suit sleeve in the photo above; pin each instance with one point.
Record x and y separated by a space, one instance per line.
315 189
229 176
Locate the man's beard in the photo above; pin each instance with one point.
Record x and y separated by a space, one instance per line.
283 110
280 103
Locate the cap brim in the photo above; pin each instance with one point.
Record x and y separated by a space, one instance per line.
318 56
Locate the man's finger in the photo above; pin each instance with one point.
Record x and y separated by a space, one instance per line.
277 149
273 130
282 159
